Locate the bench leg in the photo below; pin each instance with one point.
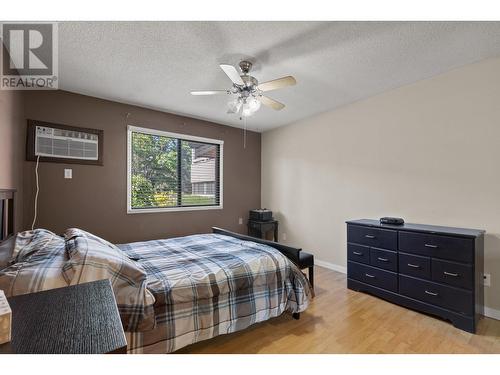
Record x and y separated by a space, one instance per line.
311 276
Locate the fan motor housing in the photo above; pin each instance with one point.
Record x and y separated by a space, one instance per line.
245 66
250 82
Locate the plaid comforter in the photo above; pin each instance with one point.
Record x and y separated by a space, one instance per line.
188 288
42 260
208 285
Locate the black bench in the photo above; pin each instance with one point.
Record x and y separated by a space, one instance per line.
306 260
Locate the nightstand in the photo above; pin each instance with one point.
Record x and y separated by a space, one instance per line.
259 229
79 319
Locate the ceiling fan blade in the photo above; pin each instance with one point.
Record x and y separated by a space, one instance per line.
232 73
271 103
210 92
277 83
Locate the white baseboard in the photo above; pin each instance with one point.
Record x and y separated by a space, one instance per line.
330 266
488 311
491 313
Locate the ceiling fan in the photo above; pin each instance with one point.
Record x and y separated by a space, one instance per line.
247 93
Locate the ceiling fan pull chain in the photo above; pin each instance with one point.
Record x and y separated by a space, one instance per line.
244 132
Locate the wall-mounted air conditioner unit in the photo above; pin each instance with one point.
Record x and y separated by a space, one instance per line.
58 143
61 143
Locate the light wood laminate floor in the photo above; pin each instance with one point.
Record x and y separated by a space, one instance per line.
343 321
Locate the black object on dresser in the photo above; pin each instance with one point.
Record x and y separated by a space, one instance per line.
433 269
80 319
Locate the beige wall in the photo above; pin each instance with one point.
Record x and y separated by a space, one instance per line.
12 133
428 152
96 198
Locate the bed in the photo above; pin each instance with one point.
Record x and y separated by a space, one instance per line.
170 292
211 284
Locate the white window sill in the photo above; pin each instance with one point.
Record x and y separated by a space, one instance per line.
172 209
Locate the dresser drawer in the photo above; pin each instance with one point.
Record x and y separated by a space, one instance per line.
358 253
452 273
381 238
373 276
384 259
437 294
444 247
415 265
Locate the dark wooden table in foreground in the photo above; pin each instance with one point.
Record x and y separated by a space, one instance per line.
80 319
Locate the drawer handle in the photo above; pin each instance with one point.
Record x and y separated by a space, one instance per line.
369 236
357 253
370 276
451 274
413 265
431 246
383 259
431 293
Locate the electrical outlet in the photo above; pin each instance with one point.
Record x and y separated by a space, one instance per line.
487 279
283 235
68 173
240 221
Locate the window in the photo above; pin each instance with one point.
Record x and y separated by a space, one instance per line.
172 172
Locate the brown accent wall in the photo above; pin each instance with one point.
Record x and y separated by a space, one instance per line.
12 134
96 198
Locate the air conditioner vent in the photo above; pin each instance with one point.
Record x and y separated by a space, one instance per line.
68 144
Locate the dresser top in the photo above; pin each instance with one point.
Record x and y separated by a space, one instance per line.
77 319
464 232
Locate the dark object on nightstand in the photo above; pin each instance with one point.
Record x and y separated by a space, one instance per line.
79 319
433 269
261 214
257 228
392 220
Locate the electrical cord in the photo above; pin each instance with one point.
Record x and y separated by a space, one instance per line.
37 190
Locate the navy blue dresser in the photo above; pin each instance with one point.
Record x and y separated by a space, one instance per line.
433 269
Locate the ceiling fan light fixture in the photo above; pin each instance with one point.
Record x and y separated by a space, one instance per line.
253 103
250 106
234 106
246 112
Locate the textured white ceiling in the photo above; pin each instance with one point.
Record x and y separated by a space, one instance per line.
156 64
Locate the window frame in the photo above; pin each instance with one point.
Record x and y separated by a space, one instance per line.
185 137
